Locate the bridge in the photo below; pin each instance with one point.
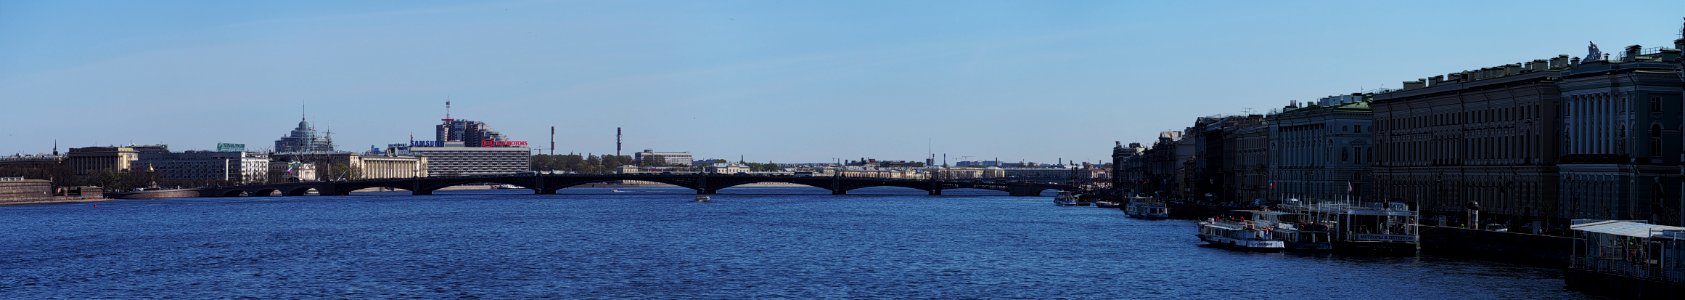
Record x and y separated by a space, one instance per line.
702 183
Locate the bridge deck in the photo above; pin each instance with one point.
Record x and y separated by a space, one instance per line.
702 183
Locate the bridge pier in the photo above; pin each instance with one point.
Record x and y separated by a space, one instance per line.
935 192
543 192
420 192
839 192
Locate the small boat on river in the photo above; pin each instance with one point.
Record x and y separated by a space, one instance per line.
1106 203
1065 198
703 198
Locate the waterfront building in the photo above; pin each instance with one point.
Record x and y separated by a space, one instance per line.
1128 164
199 168
1485 139
390 166
979 164
664 158
1621 138
1057 174
971 173
291 171
352 166
304 139
1322 153
1165 163
726 168
1679 44
1248 160
1204 179
94 160
41 166
468 161
1222 172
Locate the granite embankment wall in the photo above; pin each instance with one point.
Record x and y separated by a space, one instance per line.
25 190
1533 249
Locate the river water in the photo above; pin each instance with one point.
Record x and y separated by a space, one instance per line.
656 243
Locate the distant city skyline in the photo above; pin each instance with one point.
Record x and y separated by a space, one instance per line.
767 81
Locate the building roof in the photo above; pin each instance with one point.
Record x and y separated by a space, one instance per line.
1624 228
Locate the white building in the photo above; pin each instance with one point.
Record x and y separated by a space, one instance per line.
668 158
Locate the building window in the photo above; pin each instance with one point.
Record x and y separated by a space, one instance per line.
1655 104
1655 140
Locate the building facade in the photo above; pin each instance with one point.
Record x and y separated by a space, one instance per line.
350 166
1621 138
291 171
200 168
1127 166
1248 160
470 161
666 158
50 167
1322 153
93 160
390 167
1485 139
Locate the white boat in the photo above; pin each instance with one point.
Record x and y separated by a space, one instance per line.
1144 208
1065 198
703 198
1241 234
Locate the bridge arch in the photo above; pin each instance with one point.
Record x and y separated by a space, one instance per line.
303 190
233 193
971 190
434 187
573 182
889 187
720 183
357 186
264 192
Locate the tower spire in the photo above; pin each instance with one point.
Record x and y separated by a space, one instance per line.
55 147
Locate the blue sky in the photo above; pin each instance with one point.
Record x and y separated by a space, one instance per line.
784 81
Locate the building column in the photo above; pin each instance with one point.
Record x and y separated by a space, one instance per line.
1606 137
1579 132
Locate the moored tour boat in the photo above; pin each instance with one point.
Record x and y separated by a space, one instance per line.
1240 234
1144 208
1298 233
